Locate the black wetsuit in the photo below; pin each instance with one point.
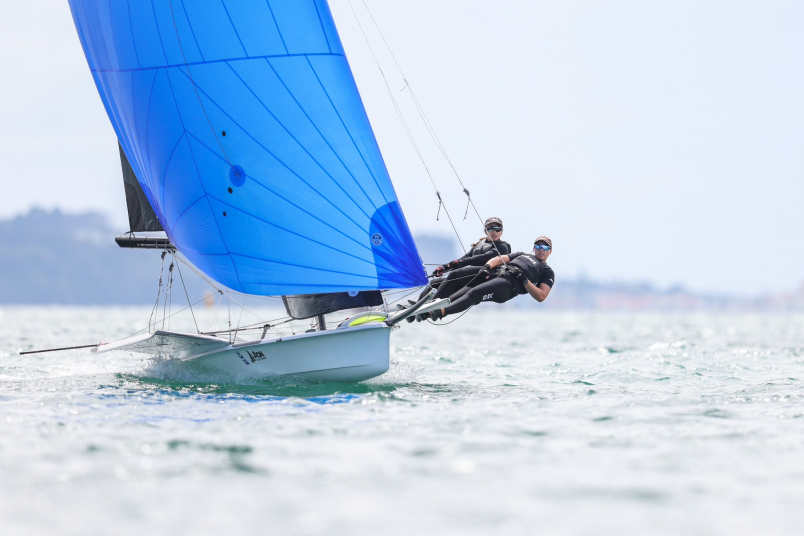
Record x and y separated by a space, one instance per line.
483 252
471 264
502 284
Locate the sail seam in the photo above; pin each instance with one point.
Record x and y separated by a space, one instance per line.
234 29
348 132
257 182
324 138
192 32
278 31
362 157
222 202
293 205
287 264
184 128
167 168
276 158
194 63
388 228
303 148
305 267
323 31
148 127
158 31
186 210
131 29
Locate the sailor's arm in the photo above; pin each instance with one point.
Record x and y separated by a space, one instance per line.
496 261
538 293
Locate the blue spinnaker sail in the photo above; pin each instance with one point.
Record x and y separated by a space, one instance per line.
244 126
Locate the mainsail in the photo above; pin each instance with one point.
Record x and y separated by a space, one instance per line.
141 216
243 123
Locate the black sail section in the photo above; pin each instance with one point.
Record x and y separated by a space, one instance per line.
309 305
141 216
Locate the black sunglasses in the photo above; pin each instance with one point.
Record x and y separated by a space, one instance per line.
497 228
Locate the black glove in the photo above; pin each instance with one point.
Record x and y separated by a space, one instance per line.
521 277
438 272
456 264
485 271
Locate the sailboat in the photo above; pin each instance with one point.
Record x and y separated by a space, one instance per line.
244 138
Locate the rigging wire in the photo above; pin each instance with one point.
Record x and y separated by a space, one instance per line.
422 115
427 124
181 277
174 314
406 127
168 293
451 321
241 312
154 312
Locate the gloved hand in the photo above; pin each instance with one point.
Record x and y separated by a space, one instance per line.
438 272
453 265
521 277
485 271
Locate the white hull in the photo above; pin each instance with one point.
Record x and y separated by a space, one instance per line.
357 350
342 355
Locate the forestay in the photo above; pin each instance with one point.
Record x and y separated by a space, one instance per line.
244 126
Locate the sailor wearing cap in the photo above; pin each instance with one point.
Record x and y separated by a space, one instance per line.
506 277
482 251
461 271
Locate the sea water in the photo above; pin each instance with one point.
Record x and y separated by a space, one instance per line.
504 422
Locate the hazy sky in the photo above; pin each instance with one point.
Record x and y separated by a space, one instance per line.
660 141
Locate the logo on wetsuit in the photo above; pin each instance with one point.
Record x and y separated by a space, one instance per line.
488 296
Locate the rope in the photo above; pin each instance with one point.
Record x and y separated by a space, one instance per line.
174 314
451 321
158 294
428 126
178 268
423 115
401 116
168 292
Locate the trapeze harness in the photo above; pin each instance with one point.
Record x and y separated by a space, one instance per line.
470 265
502 284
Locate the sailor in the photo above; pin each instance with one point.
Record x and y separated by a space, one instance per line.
463 270
482 251
504 278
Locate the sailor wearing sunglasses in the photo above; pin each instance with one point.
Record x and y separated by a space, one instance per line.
461 271
506 277
482 251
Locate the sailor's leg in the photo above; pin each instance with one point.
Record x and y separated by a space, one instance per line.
497 290
457 279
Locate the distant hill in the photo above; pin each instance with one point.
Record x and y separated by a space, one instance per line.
72 259
57 258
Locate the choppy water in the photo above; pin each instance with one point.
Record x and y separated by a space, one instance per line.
508 423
